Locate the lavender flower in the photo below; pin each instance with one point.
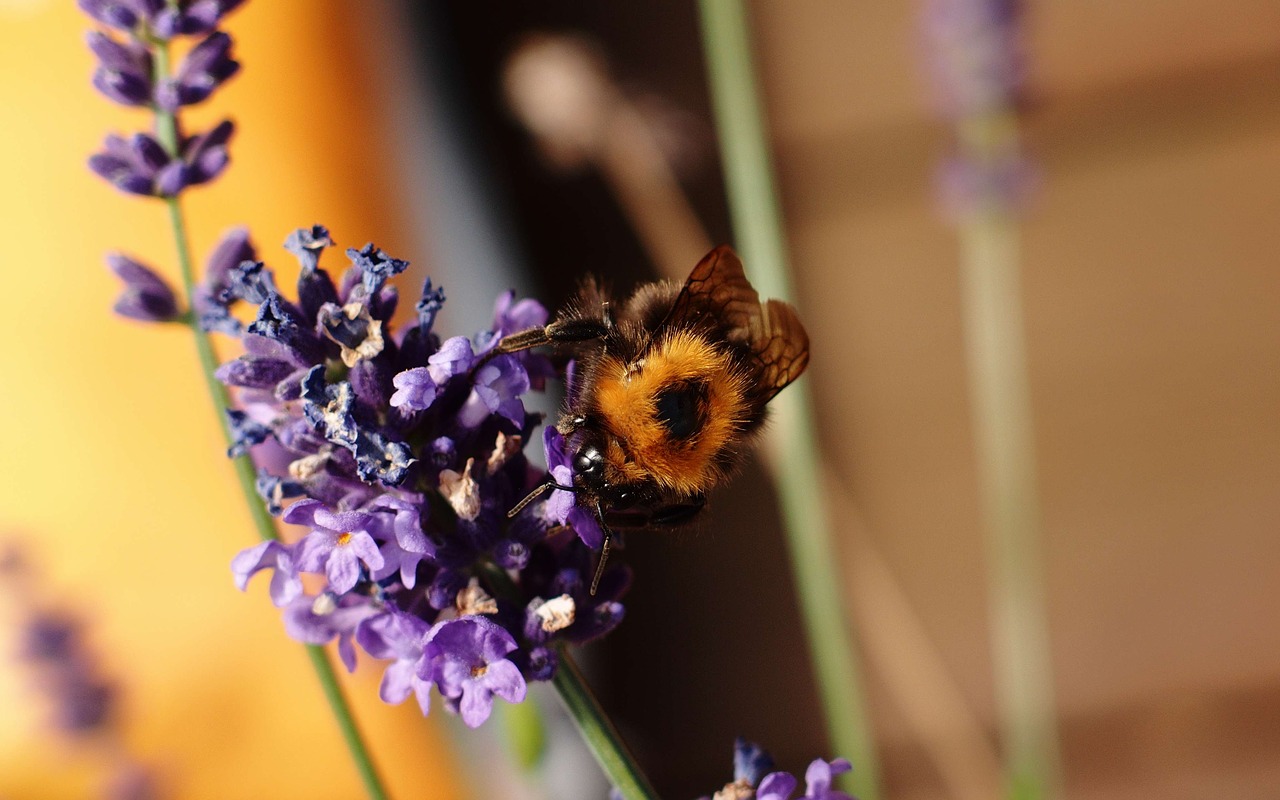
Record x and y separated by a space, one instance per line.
205 68
750 763
403 454
146 297
975 55
140 165
157 18
975 58
407 456
51 644
339 544
124 70
400 638
466 659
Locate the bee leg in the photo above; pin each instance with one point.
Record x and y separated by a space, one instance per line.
562 331
604 550
549 483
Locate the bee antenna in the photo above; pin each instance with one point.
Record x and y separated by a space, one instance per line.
549 483
604 550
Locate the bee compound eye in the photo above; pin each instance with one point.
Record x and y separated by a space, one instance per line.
588 465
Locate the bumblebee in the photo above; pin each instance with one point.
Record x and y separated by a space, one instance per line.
667 391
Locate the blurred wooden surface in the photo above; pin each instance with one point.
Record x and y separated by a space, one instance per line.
1152 298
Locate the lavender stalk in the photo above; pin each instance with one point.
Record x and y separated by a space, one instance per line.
975 48
122 77
757 223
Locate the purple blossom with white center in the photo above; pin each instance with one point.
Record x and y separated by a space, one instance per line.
466 658
286 585
146 297
398 637
339 545
206 67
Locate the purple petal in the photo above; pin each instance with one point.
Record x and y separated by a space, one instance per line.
476 705
776 786
415 389
303 513
313 551
560 503
343 570
584 524
397 682
365 548
504 679
453 358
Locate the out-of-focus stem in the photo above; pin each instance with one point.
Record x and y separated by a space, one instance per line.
598 732
167 133
1004 441
757 224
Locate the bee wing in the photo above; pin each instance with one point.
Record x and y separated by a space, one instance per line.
718 292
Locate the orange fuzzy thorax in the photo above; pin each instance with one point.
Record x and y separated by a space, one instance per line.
641 447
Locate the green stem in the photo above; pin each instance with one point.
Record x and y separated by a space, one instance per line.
598 732
1004 441
167 133
323 666
758 231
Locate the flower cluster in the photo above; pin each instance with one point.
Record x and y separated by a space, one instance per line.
402 454
753 777
131 71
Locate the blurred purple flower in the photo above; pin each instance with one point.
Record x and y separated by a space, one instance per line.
974 52
140 165
146 296
124 72
206 67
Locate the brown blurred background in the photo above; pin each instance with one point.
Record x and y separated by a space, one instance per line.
1152 301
